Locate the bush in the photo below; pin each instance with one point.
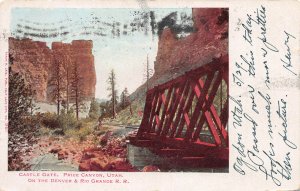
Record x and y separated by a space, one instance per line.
66 124
44 131
79 134
58 132
63 121
67 120
83 132
49 120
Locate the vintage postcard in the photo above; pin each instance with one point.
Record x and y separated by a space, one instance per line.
150 95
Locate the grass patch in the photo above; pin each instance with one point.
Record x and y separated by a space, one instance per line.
79 134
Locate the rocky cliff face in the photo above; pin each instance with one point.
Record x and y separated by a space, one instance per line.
208 41
79 53
176 56
32 60
36 62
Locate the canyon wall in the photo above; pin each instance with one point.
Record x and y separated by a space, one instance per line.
37 64
176 56
208 41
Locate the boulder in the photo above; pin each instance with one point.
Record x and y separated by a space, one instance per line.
150 168
120 164
84 165
55 150
100 164
62 155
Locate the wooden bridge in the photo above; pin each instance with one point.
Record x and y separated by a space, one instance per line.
187 116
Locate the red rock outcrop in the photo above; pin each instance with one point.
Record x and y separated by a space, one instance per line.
209 41
79 53
94 159
32 59
35 61
176 56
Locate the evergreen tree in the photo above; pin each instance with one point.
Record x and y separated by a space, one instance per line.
21 103
112 92
76 90
125 101
67 66
94 109
56 81
105 109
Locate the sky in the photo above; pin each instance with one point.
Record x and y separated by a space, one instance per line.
122 38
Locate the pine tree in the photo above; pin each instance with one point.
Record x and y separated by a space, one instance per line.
57 81
94 109
125 100
113 92
104 109
67 66
21 103
76 90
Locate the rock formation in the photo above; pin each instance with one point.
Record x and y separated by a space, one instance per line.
79 53
198 48
176 56
32 59
36 63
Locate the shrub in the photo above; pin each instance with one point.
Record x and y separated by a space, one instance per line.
83 132
44 131
67 120
63 121
58 132
79 134
49 120
66 124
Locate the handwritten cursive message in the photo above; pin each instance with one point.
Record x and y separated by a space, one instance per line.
260 123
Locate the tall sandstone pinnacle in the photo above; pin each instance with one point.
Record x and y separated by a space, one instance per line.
35 62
